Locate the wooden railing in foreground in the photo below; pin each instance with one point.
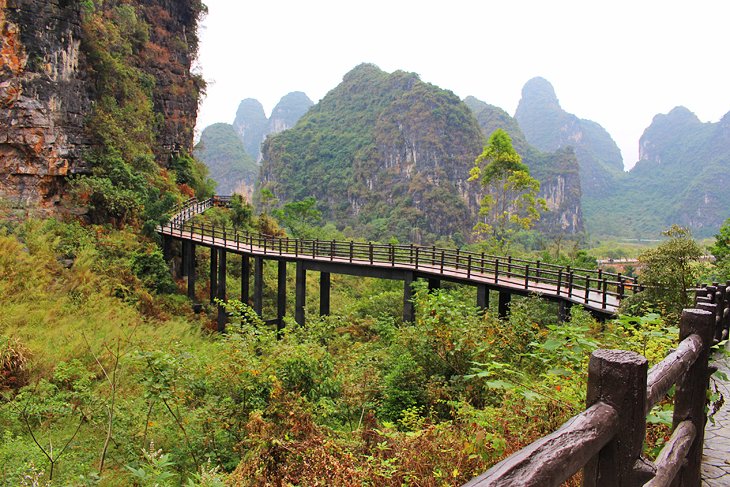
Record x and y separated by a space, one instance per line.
606 439
593 288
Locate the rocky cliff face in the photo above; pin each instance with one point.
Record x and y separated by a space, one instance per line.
44 97
48 88
548 127
251 124
222 150
558 171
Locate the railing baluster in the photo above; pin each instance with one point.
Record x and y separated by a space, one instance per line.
527 276
496 270
468 267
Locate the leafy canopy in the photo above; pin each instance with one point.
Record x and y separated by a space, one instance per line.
510 202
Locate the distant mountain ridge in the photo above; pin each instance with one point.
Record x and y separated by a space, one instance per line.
253 127
681 178
548 127
232 151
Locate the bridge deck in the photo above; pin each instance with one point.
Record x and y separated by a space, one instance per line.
357 266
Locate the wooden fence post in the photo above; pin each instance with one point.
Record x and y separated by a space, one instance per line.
618 378
691 390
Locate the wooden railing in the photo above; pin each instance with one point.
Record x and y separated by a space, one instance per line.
606 439
592 287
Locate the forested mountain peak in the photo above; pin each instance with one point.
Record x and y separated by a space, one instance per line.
548 127
382 152
288 111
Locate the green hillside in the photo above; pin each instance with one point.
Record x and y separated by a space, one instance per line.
384 153
223 151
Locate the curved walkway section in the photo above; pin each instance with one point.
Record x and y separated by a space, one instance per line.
597 291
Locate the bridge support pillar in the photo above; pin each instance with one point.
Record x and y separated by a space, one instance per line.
184 258
324 293
281 295
245 276
482 297
167 247
505 297
222 314
564 308
213 273
433 284
258 285
408 310
301 293
191 270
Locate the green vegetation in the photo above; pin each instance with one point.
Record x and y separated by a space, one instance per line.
510 201
222 150
127 185
100 353
668 272
374 155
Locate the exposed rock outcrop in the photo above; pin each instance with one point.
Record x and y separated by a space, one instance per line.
48 88
44 97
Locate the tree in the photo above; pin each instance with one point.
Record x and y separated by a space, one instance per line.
300 217
721 248
667 273
510 201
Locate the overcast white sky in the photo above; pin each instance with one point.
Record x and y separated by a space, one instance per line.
617 62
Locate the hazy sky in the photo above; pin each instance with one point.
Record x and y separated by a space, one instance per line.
617 62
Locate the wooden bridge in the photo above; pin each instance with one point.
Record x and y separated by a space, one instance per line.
605 440
598 291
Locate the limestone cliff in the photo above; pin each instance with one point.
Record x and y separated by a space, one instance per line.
222 150
681 178
287 112
49 85
44 96
251 124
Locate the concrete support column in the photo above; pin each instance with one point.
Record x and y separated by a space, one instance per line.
281 295
222 315
167 247
482 297
504 302
245 276
564 310
213 274
324 293
191 271
184 258
433 284
258 285
301 293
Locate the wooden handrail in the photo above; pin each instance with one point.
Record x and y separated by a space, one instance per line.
620 378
